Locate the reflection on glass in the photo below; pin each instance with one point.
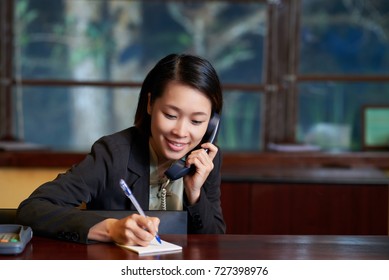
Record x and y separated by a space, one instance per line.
330 113
52 116
121 40
344 37
241 121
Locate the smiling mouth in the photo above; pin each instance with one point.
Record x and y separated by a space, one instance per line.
176 146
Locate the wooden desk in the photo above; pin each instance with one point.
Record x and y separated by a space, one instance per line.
223 247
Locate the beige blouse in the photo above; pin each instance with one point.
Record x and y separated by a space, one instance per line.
164 194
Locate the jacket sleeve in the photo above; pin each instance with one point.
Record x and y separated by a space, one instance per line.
52 210
206 215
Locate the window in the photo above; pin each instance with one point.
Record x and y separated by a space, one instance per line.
344 66
297 71
79 65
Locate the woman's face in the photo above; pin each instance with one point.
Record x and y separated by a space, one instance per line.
179 120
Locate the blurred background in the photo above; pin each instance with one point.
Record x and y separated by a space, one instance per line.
298 71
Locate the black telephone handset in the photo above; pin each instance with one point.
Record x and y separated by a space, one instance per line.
178 168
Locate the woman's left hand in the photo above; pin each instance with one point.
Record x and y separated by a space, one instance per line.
203 161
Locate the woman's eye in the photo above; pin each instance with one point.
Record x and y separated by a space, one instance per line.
169 116
197 122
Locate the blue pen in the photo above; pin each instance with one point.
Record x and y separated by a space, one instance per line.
129 194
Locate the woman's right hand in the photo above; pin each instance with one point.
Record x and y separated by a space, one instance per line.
131 230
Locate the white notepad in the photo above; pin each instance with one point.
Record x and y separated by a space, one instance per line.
154 248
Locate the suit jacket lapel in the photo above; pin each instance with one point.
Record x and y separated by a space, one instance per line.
139 171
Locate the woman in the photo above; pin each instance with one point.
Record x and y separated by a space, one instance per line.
178 97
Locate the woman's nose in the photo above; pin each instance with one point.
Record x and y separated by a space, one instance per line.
181 128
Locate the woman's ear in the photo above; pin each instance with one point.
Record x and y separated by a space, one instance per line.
149 103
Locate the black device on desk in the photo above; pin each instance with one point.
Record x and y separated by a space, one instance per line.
14 238
178 168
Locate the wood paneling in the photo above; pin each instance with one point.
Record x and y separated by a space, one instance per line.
287 208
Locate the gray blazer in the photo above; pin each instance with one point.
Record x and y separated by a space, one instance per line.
52 209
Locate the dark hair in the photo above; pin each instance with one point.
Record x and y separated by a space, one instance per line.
189 70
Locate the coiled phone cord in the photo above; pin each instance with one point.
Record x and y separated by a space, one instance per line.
163 194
